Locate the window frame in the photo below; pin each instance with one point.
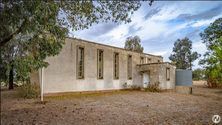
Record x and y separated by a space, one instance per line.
77 61
129 73
149 60
142 60
102 62
116 63
167 68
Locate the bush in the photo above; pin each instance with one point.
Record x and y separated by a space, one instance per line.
214 82
131 87
28 90
154 87
135 87
195 79
125 85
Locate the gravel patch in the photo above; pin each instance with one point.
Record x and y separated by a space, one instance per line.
124 107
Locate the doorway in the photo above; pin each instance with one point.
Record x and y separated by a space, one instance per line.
145 79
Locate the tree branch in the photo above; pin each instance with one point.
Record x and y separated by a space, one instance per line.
15 33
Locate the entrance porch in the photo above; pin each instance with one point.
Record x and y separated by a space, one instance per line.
164 72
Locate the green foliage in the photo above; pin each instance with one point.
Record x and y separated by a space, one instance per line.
183 57
211 34
217 70
3 72
33 30
39 16
199 74
131 87
213 57
28 90
133 43
15 57
154 87
135 87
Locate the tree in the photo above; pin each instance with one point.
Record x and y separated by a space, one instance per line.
199 74
4 75
212 61
212 33
45 25
17 61
216 57
31 16
133 43
210 38
183 57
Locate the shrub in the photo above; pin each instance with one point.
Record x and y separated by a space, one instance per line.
214 82
135 87
28 90
154 87
131 87
125 85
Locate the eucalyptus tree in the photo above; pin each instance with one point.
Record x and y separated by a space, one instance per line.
199 74
34 16
211 38
9 52
45 24
212 61
215 59
183 56
211 35
133 43
17 61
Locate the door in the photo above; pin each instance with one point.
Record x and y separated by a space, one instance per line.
145 79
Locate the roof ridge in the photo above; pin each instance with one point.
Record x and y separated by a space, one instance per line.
112 46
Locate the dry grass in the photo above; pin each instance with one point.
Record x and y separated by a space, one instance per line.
200 83
124 107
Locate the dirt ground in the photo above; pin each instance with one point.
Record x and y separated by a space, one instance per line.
123 107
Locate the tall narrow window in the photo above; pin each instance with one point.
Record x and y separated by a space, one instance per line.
129 67
168 74
158 60
80 63
100 64
141 60
116 66
149 60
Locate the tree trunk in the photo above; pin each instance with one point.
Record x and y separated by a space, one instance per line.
191 67
11 78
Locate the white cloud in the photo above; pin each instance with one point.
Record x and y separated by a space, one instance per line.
200 48
205 22
159 32
161 53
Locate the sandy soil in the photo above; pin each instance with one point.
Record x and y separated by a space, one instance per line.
124 107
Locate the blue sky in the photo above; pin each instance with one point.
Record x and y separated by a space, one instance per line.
159 26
